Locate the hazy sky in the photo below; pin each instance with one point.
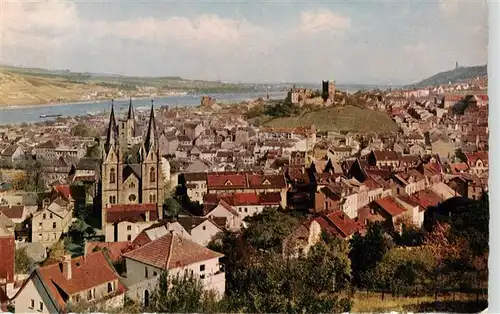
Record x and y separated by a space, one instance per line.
251 41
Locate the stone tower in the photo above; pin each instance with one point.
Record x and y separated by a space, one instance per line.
328 91
126 128
152 175
111 156
126 183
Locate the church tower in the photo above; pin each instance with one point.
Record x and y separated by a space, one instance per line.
127 128
152 175
110 170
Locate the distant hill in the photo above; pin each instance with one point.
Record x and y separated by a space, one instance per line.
453 76
348 118
29 86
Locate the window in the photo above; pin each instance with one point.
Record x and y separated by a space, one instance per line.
204 227
40 307
131 185
77 298
53 225
40 225
32 304
129 237
152 175
202 267
110 287
152 198
89 295
246 210
54 236
129 228
50 215
155 273
146 272
112 199
132 198
112 175
40 236
44 216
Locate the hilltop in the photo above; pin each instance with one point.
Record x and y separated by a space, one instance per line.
454 76
28 86
345 118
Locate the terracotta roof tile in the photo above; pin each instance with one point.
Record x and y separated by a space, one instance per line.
171 251
12 211
131 212
390 206
86 272
345 225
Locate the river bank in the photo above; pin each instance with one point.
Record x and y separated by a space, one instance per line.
32 114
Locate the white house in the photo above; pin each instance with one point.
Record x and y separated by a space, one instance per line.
50 289
178 256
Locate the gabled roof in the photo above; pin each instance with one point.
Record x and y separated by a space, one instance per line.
48 144
171 251
86 272
345 225
390 206
12 211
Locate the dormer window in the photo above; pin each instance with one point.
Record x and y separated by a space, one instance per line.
228 183
266 182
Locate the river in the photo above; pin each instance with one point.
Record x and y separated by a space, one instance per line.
31 114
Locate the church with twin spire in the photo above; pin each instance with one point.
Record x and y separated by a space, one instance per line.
131 193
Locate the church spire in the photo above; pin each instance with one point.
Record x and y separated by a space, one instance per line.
112 133
130 115
150 140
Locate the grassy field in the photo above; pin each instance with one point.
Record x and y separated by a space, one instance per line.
352 119
460 303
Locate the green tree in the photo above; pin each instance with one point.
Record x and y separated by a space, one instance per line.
93 152
82 129
23 262
403 270
33 181
181 294
267 230
366 252
171 207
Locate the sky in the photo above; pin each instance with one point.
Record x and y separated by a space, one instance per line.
370 42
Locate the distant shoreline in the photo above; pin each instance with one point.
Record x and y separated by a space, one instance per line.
80 102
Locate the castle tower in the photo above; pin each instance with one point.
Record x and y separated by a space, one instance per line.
152 175
110 171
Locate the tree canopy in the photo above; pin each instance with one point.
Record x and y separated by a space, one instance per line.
182 294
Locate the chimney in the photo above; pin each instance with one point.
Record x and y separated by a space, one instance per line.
66 267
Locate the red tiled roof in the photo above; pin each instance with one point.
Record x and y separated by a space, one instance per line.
86 272
345 225
390 206
257 181
458 167
239 199
131 212
474 157
12 211
63 190
227 181
171 251
385 155
7 249
427 198
114 249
